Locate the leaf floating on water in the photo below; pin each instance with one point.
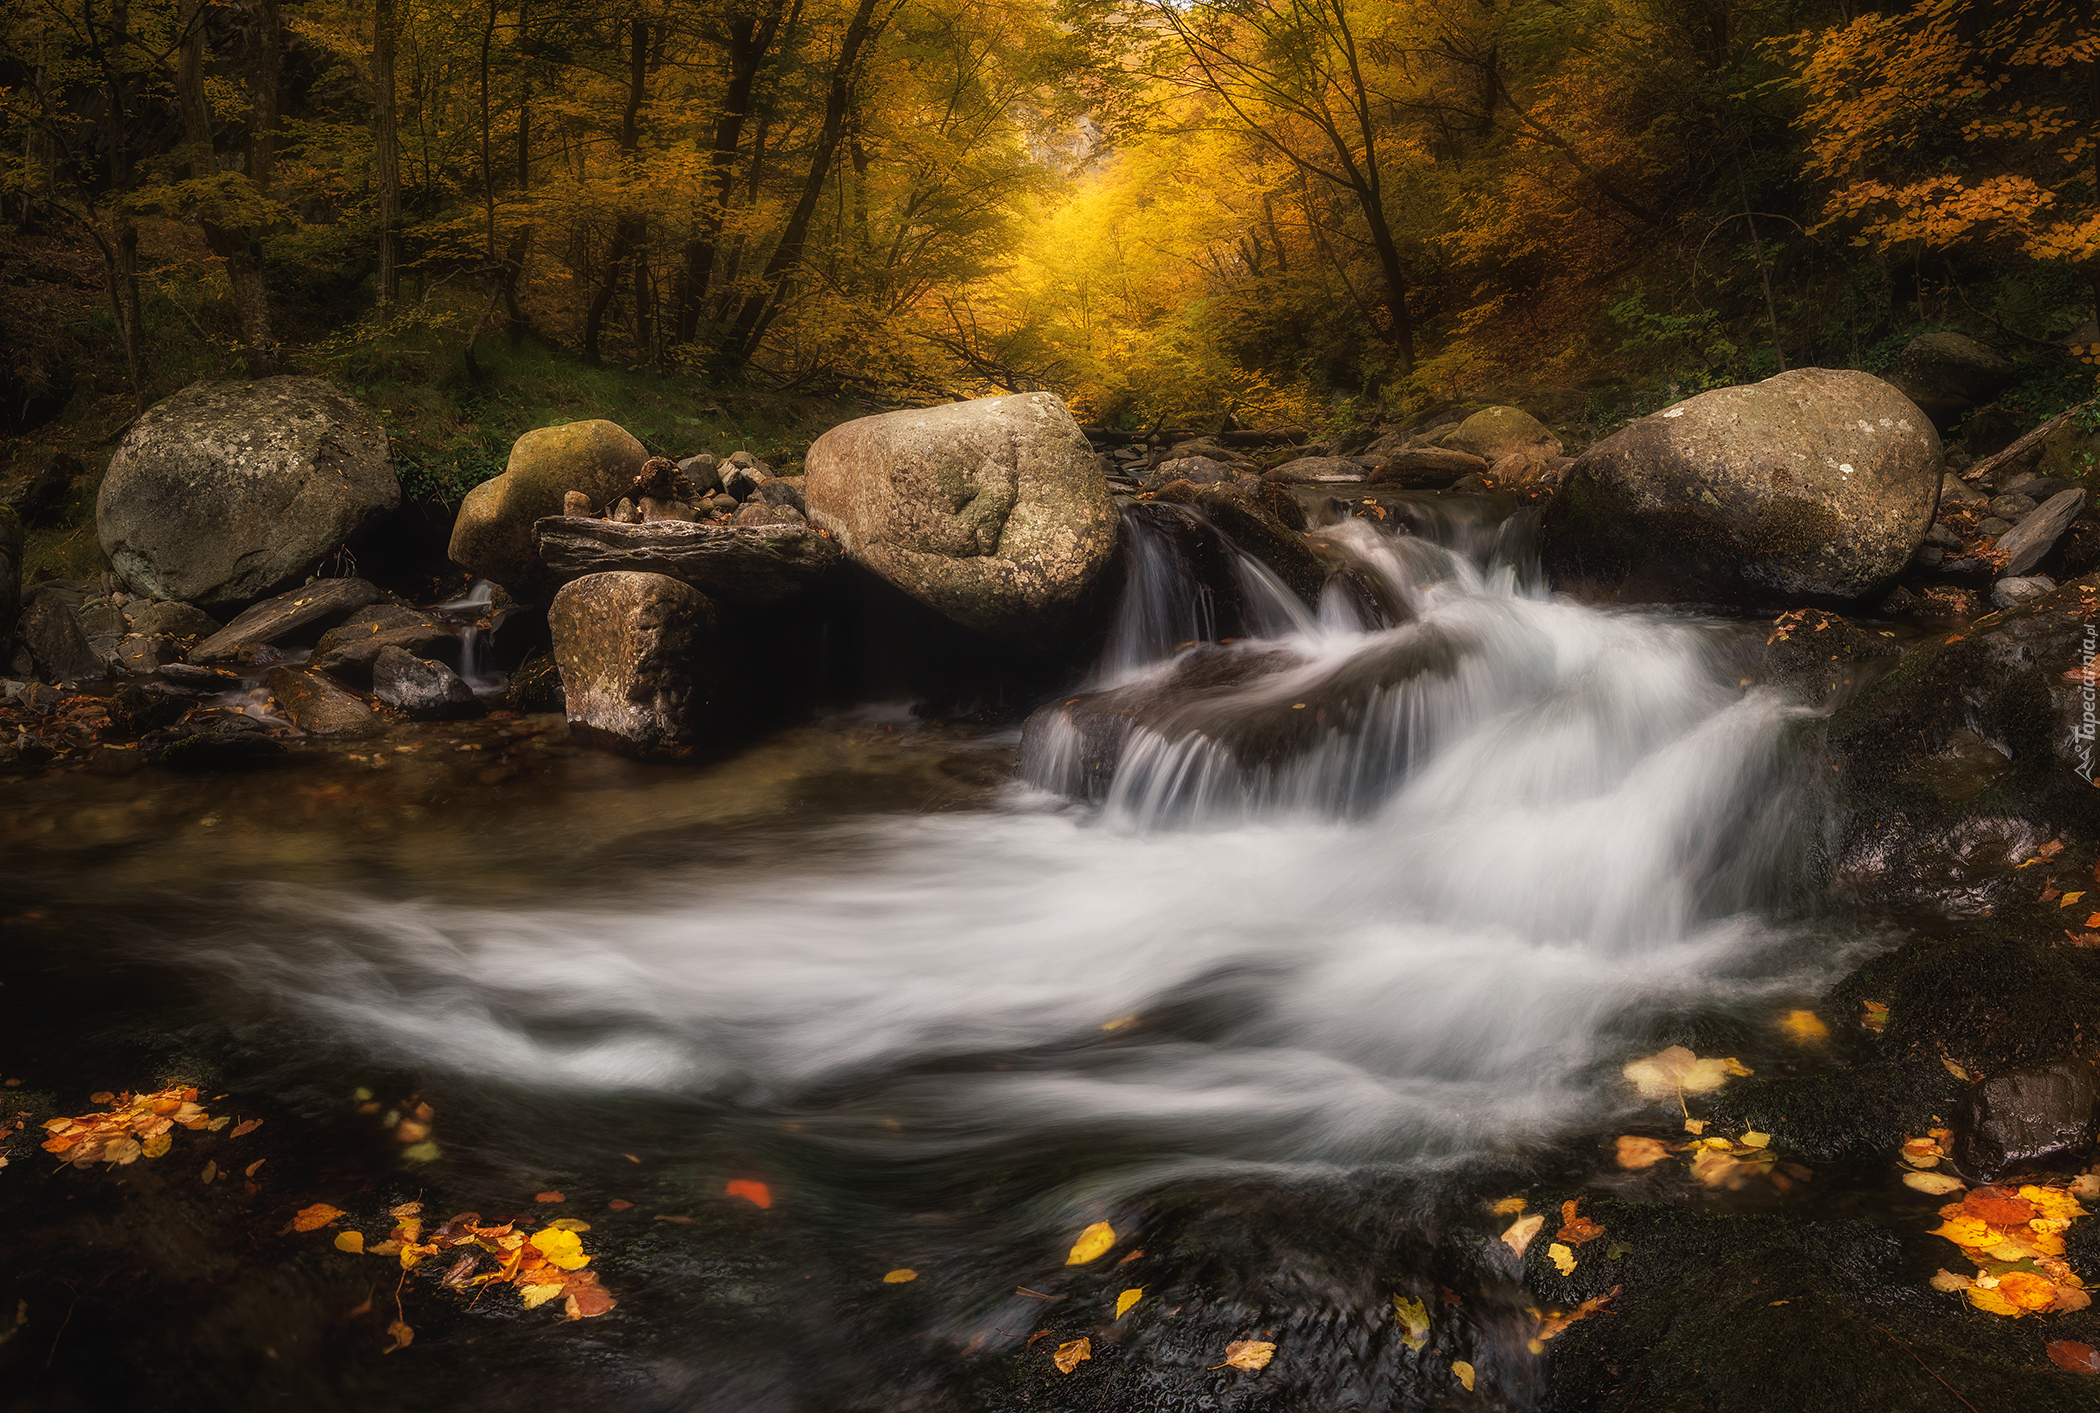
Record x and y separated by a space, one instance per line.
1635 1153
245 1127
135 1126
1551 1325
548 1197
1093 1244
1414 1321
1933 1184
1676 1070
1562 1258
403 1337
1250 1355
900 1276
563 1249
1804 1027
1521 1231
2070 1354
1509 1206
350 1241
1465 1373
1947 1282
756 1193
315 1217
1067 1356
1127 1299
534 1296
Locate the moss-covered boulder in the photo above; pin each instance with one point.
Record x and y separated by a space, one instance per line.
995 512
1816 485
493 535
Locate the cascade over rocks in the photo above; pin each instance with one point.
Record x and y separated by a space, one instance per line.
640 665
995 512
493 535
229 491
1816 484
748 566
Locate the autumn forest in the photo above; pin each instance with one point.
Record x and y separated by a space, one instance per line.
1263 208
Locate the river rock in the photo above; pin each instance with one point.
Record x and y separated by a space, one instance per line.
1816 484
1199 470
11 537
994 512
1946 374
742 565
1317 468
321 707
426 690
2026 543
307 609
758 514
2023 1115
2007 592
1260 533
493 535
1955 491
1495 432
202 751
640 668
50 629
703 471
229 491
1426 467
348 650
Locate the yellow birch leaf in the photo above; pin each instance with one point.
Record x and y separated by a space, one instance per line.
1067 1356
900 1276
537 1295
1945 1280
561 1248
1563 1259
1522 1230
1249 1355
1093 1244
1637 1153
403 1337
350 1241
1754 1139
1414 1321
1508 1207
157 1145
1465 1373
1127 1299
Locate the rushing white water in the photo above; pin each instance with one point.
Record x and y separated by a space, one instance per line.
1586 818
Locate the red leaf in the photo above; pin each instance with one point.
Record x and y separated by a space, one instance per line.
2078 1358
756 1193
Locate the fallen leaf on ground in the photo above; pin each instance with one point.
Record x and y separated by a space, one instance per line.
315 1217
900 1276
249 1171
1465 1373
1563 1259
350 1241
2070 1354
1876 1016
756 1193
135 1126
1093 1244
1251 1355
1521 1231
1637 1153
1509 1206
1127 1299
1676 1070
619 1204
548 1197
1576 1229
1551 1325
211 1170
1933 1184
1414 1321
1067 1356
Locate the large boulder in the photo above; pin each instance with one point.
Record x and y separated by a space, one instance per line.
1947 374
1818 484
994 512
640 669
745 566
493 534
1495 432
229 491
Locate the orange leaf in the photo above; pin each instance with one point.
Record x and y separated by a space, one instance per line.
619 1204
1067 1356
246 1126
315 1217
756 1193
2070 1354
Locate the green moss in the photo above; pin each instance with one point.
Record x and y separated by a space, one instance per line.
1793 528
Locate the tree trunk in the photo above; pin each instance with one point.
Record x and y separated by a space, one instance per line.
488 180
629 228
386 152
524 109
238 247
120 251
760 306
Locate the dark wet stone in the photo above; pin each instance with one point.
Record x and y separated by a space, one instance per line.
536 685
426 690
287 617
134 711
348 651
2014 1118
216 750
1427 468
2024 545
56 644
322 707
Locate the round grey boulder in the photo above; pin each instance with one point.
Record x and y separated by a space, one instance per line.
1818 484
994 512
230 491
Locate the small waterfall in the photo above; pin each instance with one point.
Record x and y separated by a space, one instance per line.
470 607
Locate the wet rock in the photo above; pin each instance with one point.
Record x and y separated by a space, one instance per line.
61 652
229 491
993 512
653 509
493 534
1255 529
1317 468
756 513
160 618
426 690
640 668
724 504
744 565
321 707
1943 537
1197 470
136 710
348 650
2007 592
1495 432
210 679
741 480
624 512
575 503
215 750
535 686
2010 506
1946 374
1816 484
141 655
1818 657
47 490
2026 543
40 699
785 491
299 613
1992 526
1427 468
2010 1119
1955 491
